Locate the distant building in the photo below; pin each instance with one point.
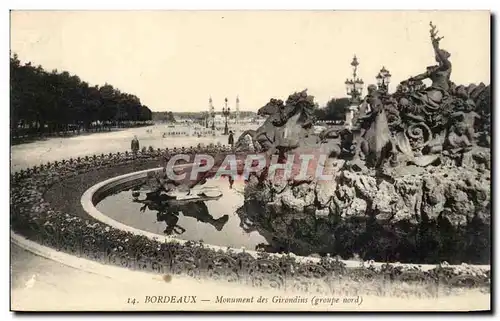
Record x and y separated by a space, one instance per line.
219 119
259 120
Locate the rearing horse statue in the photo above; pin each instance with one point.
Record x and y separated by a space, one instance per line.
259 139
287 126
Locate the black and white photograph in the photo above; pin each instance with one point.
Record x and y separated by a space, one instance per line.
250 160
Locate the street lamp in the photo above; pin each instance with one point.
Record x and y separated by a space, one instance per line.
354 89
354 86
383 79
212 113
225 112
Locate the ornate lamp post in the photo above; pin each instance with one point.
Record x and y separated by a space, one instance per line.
237 118
354 89
225 112
212 114
383 80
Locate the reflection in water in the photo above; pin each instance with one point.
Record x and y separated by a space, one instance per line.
230 221
209 216
168 211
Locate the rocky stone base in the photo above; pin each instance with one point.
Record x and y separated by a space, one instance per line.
410 214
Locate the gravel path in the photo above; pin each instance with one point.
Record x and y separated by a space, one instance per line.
52 149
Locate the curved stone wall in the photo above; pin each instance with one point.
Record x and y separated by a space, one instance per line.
35 219
96 193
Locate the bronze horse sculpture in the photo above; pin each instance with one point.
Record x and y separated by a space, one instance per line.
287 126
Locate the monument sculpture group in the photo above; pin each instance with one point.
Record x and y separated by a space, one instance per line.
411 177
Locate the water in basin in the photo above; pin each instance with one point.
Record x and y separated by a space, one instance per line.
213 221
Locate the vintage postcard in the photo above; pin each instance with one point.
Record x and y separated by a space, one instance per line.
250 160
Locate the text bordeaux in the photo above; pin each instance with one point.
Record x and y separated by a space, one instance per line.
170 299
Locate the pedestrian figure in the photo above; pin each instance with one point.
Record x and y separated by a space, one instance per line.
230 140
134 145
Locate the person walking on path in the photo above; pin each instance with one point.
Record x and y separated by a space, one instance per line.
230 140
134 145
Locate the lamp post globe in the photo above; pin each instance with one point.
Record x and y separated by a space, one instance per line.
388 78
358 87
380 80
383 79
349 86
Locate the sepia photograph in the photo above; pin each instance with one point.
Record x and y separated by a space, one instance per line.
250 160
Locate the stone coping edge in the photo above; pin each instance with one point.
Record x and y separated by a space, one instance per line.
87 202
79 263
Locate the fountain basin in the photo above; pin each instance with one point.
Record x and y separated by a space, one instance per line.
211 219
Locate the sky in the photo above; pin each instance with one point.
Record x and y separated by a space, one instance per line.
176 60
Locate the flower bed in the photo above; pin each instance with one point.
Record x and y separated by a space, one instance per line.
35 219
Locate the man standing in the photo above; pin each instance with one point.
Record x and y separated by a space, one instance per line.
134 145
230 140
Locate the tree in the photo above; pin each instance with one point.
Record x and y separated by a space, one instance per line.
164 116
47 102
170 117
335 109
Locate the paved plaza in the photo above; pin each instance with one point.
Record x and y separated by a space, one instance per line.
52 149
42 284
